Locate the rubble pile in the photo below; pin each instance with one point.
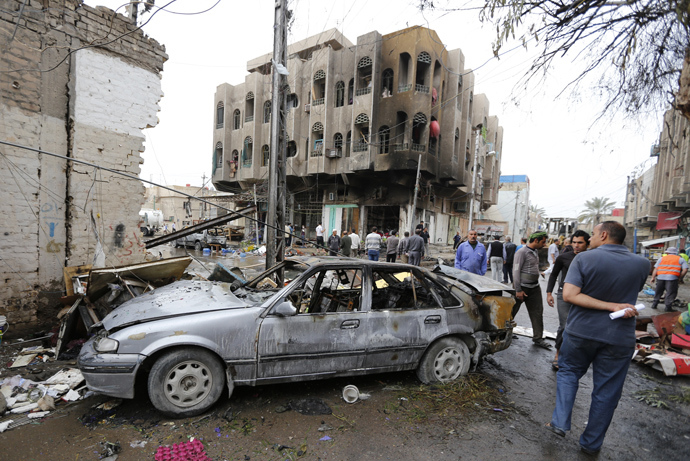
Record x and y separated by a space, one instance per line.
667 347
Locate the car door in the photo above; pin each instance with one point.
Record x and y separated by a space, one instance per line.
406 314
327 335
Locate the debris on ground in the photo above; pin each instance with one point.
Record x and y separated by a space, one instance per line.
310 407
185 451
667 347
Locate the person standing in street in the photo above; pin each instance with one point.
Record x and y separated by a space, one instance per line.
471 255
419 227
402 248
319 237
510 249
356 241
667 271
456 240
415 248
372 244
346 244
333 243
600 281
526 284
579 244
392 247
288 235
523 242
496 256
552 255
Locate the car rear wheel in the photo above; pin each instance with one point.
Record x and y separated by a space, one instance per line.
186 382
197 246
446 360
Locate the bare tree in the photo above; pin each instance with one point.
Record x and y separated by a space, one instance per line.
637 47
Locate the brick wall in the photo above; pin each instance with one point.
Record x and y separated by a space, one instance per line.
86 102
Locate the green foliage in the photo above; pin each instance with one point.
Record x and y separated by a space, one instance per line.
595 209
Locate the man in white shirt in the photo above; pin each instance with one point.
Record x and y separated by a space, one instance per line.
319 236
355 243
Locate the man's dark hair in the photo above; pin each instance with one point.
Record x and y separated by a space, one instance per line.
523 240
373 229
496 237
418 231
615 230
580 233
407 234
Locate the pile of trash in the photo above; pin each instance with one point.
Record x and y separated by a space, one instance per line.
667 346
23 400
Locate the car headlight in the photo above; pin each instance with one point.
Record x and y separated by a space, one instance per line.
104 345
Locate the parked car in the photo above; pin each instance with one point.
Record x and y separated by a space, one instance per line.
190 340
201 240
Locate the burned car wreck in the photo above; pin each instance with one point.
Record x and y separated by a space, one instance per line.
188 341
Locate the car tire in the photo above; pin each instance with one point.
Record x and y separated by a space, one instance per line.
446 360
186 382
198 246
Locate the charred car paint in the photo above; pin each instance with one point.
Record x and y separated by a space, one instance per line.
190 340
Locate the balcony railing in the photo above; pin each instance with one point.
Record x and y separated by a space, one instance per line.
360 146
249 118
362 91
317 102
421 89
219 125
404 88
316 153
246 163
418 147
400 147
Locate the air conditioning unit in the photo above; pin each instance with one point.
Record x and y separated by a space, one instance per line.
334 153
307 107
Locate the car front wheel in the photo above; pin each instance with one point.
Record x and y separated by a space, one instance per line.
446 360
186 382
197 246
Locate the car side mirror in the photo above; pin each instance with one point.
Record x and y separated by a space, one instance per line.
285 309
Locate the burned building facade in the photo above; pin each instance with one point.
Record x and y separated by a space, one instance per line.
80 82
358 119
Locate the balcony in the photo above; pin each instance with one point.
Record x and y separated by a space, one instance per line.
246 163
360 146
418 147
363 91
318 102
249 118
421 89
404 88
316 153
401 147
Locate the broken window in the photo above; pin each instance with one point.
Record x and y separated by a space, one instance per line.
340 94
327 291
265 155
387 83
219 155
393 289
267 111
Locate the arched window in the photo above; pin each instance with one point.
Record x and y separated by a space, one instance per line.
350 91
267 111
467 155
249 108
456 145
459 96
319 87
419 123
317 129
340 94
247 152
384 140
338 143
404 71
387 83
219 155
291 149
292 101
422 78
364 74
220 115
265 155
236 119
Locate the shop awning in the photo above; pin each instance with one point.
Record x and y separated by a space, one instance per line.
668 220
647 243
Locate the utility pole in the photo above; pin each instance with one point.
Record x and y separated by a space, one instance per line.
256 215
517 199
413 212
477 131
275 241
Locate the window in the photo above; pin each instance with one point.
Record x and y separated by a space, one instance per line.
394 290
340 94
350 91
265 155
387 83
292 101
338 143
219 155
459 96
247 152
267 111
329 291
364 73
291 149
404 73
249 108
319 88
456 145
384 139
348 143
236 119
423 71
220 115
418 127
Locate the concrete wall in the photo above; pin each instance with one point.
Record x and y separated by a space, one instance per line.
89 104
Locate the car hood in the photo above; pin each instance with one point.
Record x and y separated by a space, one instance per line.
180 298
478 282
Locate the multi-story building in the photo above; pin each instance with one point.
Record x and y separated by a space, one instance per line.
359 120
513 205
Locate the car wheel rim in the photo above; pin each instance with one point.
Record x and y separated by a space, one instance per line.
188 383
448 364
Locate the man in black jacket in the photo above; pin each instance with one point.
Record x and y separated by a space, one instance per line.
579 243
509 248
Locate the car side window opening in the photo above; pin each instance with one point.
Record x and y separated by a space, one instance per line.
393 289
327 291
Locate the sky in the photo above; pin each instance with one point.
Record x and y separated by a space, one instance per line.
569 154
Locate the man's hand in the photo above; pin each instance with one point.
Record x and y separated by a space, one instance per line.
542 275
653 279
630 310
549 299
521 295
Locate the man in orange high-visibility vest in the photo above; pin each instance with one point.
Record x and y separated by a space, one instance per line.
667 271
